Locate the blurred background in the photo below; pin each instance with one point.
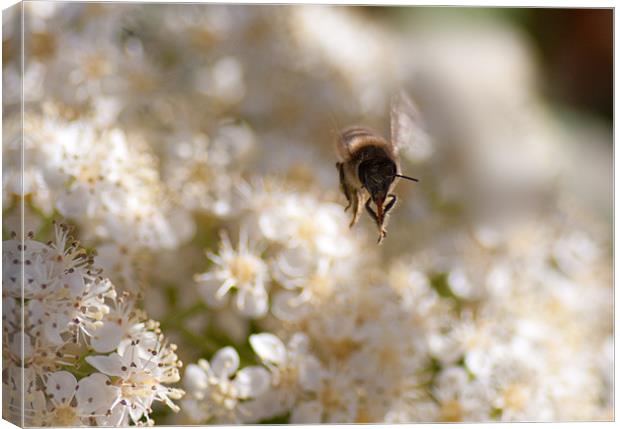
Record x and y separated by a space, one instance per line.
153 128
572 47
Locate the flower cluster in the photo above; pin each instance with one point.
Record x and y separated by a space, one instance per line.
448 341
107 185
62 321
294 241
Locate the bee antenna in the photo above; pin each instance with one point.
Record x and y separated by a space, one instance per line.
407 177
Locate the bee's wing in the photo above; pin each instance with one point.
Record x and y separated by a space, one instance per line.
408 133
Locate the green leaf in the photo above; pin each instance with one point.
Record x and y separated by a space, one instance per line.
279 420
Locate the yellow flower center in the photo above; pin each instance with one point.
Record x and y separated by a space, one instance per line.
223 394
451 411
95 66
244 268
202 37
515 396
331 399
289 377
363 416
389 356
140 386
142 82
341 350
320 286
65 415
201 172
307 229
89 174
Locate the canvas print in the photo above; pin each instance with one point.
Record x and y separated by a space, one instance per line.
234 214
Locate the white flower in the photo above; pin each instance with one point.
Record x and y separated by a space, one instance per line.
295 372
121 323
241 269
291 267
29 180
337 400
303 221
88 305
139 378
204 172
67 315
290 306
460 398
121 265
86 71
47 267
38 355
93 396
307 281
11 315
107 183
575 252
65 296
290 365
461 285
218 392
191 172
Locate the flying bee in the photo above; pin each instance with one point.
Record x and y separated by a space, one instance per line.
369 165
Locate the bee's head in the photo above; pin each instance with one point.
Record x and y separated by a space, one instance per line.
377 176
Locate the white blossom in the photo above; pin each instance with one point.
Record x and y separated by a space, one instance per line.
218 391
295 373
140 374
92 397
241 270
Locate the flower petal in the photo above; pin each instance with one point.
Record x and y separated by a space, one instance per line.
269 348
299 342
307 412
252 381
310 373
287 306
293 264
15 347
195 380
110 365
136 410
118 417
94 394
76 284
208 291
450 381
107 337
70 203
61 386
225 362
252 302
54 327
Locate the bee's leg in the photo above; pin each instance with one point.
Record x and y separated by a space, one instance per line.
343 185
356 208
371 212
382 231
390 205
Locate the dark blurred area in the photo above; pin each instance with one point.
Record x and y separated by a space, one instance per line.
576 54
574 48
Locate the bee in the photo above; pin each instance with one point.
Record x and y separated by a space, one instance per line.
369 165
